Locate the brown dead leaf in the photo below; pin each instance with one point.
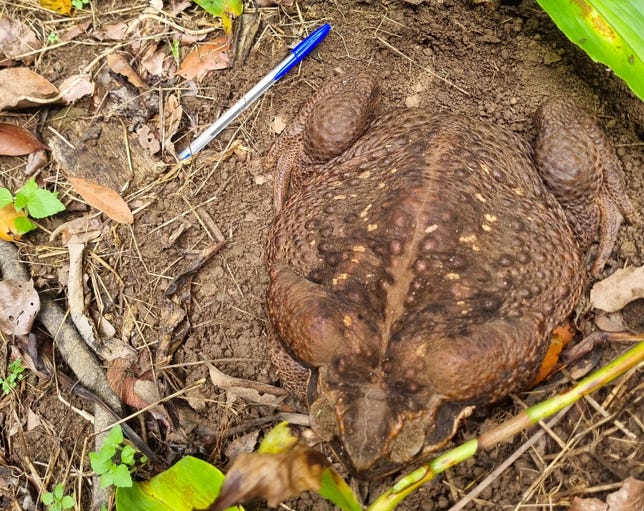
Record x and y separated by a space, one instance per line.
83 229
207 56
172 113
22 88
274 477
75 31
579 504
134 388
36 161
148 139
630 497
621 288
119 64
104 199
75 87
16 141
17 40
251 391
19 305
152 60
111 31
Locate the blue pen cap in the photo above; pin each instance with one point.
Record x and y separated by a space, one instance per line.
303 49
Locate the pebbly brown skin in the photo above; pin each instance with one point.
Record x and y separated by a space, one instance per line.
418 263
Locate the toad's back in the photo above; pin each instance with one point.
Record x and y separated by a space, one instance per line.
417 272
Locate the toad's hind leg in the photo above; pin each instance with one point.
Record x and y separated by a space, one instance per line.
328 123
581 169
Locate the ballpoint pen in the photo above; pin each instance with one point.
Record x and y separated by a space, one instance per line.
296 55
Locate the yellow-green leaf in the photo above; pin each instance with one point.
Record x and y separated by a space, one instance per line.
59 6
224 9
189 484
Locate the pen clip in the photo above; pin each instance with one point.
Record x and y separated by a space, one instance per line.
303 49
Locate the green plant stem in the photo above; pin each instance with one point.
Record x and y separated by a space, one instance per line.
392 497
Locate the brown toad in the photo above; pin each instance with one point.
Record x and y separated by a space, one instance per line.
418 263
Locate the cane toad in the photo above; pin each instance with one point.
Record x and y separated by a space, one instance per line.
419 261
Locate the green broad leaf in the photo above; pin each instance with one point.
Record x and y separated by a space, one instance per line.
609 31
101 461
189 484
47 498
117 475
6 197
115 437
67 502
23 225
335 489
277 440
127 455
25 193
59 491
223 9
38 202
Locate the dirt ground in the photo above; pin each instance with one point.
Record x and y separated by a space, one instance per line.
496 64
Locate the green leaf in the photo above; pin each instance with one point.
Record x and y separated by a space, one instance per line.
127 455
115 437
23 225
189 483
279 439
101 461
335 489
47 498
38 202
59 491
223 9
117 475
25 193
6 197
68 502
609 31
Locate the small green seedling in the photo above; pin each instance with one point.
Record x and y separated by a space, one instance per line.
174 49
53 38
30 201
14 375
80 4
115 461
57 500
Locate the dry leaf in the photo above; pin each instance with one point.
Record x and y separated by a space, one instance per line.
75 87
152 61
17 40
132 387
22 88
59 6
19 305
621 288
36 161
278 124
83 229
111 31
630 497
104 199
251 391
119 64
205 57
75 31
172 113
16 141
274 477
148 140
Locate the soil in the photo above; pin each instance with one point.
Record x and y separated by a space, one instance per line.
497 63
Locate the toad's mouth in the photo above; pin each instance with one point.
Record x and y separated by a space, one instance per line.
373 436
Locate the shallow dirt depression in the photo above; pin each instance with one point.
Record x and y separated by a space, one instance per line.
497 64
